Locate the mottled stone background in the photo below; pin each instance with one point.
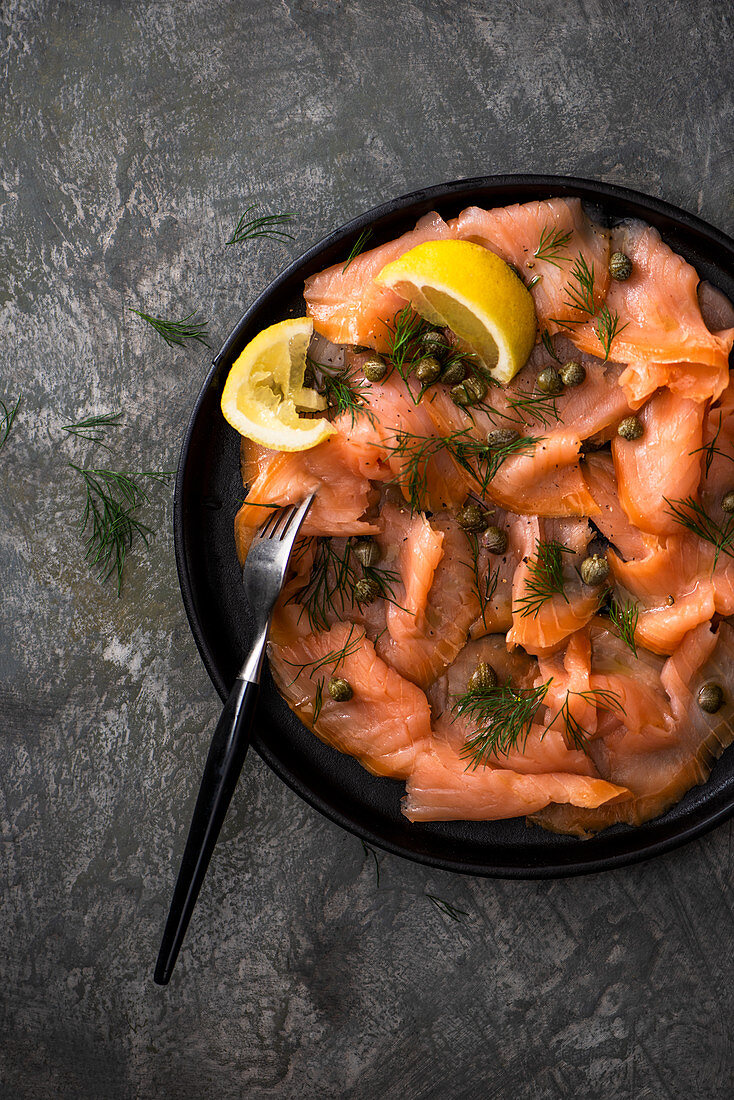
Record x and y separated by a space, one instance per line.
133 133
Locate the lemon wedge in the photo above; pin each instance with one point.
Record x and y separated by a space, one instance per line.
467 288
264 390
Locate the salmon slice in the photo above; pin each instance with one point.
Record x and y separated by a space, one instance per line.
716 309
544 630
441 789
610 518
451 608
665 340
346 305
385 724
657 777
516 232
493 579
633 681
665 462
568 674
342 495
421 551
598 404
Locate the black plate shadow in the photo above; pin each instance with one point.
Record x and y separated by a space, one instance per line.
209 491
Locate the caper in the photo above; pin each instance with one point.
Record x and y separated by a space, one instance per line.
620 266
710 698
366 590
482 678
494 540
549 381
471 518
476 388
367 552
433 343
453 373
502 437
374 368
594 570
459 396
630 428
340 689
727 501
572 373
428 370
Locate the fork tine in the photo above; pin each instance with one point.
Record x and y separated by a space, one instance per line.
293 523
265 531
284 518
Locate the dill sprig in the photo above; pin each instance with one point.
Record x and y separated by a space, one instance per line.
344 391
370 851
403 343
534 281
553 245
268 226
112 499
607 329
548 345
358 246
448 910
710 449
337 657
318 699
330 587
689 514
7 416
576 735
624 618
480 461
176 333
534 406
544 577
580 291
486 587
501 717
92 428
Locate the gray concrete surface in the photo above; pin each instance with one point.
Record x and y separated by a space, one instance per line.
132 135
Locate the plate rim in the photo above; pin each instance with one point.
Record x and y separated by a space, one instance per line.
438 193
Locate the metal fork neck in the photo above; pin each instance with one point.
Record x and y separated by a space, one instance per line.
252 668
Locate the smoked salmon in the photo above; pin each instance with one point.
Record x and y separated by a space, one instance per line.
516 597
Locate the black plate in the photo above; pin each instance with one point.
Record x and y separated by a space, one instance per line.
209 491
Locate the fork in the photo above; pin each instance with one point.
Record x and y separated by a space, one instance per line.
262 579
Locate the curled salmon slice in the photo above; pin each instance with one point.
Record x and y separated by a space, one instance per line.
610 518
451 606
385 724
544 629
441 789
659 776
569 676
543 239
664 330
664 463
494 574
346 305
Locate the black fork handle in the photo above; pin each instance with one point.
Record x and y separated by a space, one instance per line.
222 770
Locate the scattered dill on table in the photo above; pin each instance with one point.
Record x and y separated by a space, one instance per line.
624 618
111 503
7 416
370 851
553 245
691 515
92 429
544 577
447 909
607 329
176 333
268 226
358 246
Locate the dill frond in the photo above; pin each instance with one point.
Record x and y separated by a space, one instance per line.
689 514
607 329
7 416
710 449
501 716
109 517
553 246
448 910
370 851
624 618
548 345
268 226
544 577
358 246
176 333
